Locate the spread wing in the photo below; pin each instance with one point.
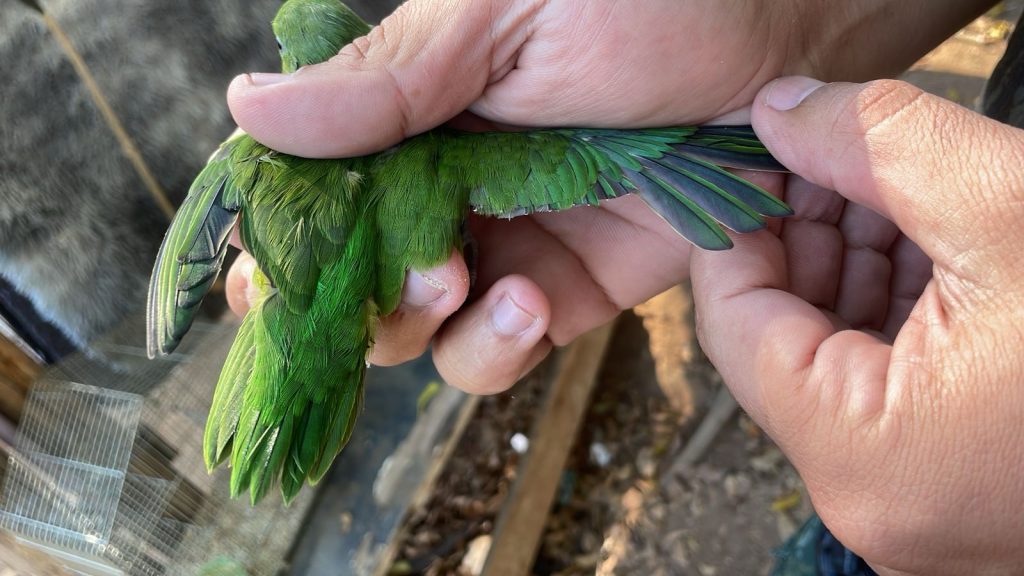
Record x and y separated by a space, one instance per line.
674 170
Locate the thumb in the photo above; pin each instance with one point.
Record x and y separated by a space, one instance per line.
948 177
421 66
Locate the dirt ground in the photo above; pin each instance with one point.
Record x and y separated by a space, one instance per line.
628 514
618 512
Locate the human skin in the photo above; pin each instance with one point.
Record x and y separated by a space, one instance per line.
560 63
877 337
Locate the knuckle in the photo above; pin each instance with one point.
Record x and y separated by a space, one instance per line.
395 343
357 51
881 100
381 43
1000 181
886 116
381 50
463 373
390 355
385 39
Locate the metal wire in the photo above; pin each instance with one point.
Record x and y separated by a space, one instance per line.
106 472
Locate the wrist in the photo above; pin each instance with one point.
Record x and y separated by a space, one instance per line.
867 39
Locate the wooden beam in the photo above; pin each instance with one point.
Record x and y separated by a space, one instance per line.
17 373
18 558
463 415
520 525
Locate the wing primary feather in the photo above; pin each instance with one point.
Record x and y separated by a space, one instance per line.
738 130
688 219
705 193
730 159
730 146
753 196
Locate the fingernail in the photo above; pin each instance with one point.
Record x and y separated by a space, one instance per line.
266 78
787 93
421 291
509 319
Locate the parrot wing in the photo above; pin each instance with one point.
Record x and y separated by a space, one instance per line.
192 252
674 170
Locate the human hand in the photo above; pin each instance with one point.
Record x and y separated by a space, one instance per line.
878 337
543 279
540 63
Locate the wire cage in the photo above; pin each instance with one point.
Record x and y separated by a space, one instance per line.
106 472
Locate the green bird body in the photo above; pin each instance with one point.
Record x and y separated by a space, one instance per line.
334 239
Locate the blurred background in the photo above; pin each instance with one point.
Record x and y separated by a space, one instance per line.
109 110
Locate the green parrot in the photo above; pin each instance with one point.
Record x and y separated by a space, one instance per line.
334 238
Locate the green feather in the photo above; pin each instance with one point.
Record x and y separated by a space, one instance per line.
227 398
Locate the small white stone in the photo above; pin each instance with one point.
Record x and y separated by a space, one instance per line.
520 443
600 455
476 555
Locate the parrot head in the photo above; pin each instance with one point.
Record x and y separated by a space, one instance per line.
311 31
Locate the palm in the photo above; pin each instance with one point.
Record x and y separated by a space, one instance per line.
852 264
604 63
595 263
598 262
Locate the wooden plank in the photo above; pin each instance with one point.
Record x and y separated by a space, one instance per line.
348 528
17 373
16 558
722 410
428 482
521 523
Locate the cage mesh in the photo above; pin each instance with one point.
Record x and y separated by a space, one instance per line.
106 471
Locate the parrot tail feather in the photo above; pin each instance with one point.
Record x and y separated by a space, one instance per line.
227 397
288 397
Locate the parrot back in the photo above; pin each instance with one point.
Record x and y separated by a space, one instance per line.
292 384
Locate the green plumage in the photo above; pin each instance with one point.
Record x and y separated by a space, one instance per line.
334 239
